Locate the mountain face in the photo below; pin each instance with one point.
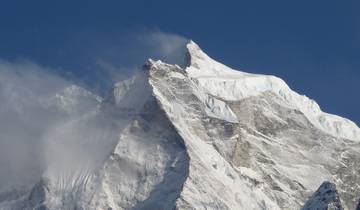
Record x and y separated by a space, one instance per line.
200 137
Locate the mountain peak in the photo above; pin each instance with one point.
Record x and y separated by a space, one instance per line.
215 76
194 53
148 145
199 64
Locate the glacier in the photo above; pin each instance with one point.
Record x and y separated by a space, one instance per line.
203 136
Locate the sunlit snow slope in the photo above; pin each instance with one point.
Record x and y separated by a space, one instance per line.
200 137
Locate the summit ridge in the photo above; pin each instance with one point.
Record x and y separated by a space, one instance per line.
204 136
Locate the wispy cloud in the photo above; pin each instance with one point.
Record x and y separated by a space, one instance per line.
167 47
37 133
131 51
24 116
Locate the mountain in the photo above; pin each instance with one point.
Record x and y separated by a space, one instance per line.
200 137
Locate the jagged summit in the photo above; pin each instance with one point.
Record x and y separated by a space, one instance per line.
200 137
232 85
194 53
200 64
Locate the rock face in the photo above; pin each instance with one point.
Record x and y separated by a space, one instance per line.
326 197
202 137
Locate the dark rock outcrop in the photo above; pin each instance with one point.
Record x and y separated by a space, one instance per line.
325 198
358 206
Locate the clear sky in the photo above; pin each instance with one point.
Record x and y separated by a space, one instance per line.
313 45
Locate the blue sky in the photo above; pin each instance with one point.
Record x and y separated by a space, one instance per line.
313 45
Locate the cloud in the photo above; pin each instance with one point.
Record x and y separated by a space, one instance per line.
117 59
48 123
24 115
166 47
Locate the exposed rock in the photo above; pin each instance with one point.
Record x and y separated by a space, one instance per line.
325 198
203 137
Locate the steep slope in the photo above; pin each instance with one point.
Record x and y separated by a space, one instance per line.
221 81
123 154
279 141
54 108
203 137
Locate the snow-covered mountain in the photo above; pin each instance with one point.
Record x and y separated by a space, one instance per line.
200 137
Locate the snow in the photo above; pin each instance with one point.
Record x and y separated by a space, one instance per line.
131 94
203 137
231 85
206 164
74 100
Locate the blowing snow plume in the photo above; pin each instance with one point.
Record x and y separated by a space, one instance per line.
99 59
26 113
50 125
36 102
